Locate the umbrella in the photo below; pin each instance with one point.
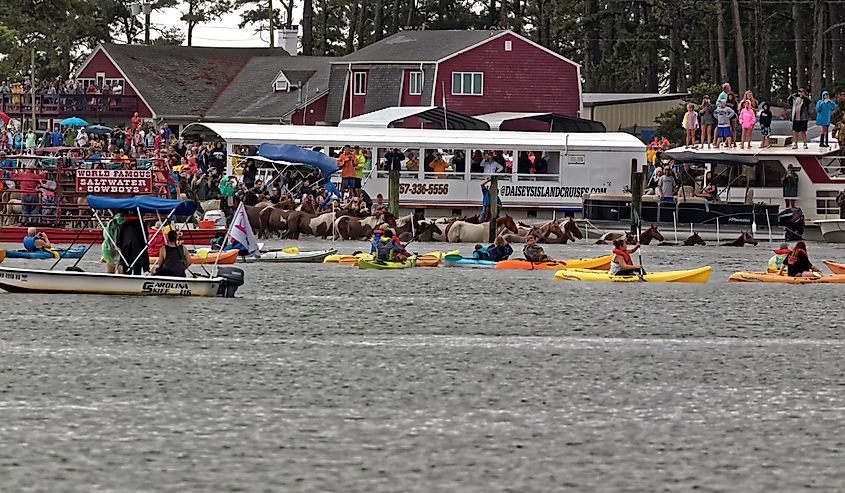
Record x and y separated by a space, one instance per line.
98 129
5 118
73 122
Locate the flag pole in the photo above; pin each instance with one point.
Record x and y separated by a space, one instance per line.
223 244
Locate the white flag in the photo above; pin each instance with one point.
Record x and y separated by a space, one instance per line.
241 231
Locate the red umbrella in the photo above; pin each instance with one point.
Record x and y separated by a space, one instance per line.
5 118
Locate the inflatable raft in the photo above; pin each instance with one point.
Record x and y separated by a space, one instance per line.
75 252
597 263
776 278
699 275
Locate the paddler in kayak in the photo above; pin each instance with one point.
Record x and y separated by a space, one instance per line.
798 263
499 250
621 263
479 252
36 242
777 260
534 252
173 258
390 249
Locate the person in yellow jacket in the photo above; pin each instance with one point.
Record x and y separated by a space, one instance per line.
360 164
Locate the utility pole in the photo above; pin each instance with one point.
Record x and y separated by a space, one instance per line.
146 24
32 84
270 9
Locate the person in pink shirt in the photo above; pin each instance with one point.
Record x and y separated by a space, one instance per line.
747 119
27 183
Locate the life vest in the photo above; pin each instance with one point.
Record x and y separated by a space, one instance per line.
384 248
29 243
776 262
625 255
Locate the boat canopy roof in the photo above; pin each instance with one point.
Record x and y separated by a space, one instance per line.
145 203
310 136
296 155
711 158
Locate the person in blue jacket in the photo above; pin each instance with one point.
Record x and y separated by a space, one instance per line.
824 108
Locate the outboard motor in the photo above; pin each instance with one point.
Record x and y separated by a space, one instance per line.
233 278
792 220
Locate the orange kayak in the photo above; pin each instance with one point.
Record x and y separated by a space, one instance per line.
597 263
226 258
834 267
2 255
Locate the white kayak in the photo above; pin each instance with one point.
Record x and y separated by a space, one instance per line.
16 280
314 256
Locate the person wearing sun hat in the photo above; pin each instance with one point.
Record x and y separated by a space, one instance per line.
776 262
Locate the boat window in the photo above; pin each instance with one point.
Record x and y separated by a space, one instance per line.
766 174
503 157
826 203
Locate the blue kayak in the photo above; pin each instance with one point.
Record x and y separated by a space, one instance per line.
75 252
451 261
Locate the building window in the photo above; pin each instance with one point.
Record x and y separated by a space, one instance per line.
415 84
508 45
467 83
360 83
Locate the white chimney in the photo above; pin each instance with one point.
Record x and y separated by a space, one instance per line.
288 39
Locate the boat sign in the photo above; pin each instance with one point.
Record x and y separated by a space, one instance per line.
166 287
114 181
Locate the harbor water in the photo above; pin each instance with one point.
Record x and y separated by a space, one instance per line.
326 378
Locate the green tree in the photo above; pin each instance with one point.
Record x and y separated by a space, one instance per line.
201 12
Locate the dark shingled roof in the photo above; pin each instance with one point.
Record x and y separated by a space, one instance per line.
250 95
419 46
182 80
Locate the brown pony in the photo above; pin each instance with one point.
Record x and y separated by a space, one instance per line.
744 238
692 240
353 228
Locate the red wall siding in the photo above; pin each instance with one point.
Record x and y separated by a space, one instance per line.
316 112
358 102
407 98
101 63
524 79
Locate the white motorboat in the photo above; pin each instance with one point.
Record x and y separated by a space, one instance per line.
833 230
16 280
314 256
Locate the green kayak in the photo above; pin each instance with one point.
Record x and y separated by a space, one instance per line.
376 264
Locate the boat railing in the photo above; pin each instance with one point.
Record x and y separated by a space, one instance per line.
834 166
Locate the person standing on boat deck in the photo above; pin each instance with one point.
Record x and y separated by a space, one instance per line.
393 160
35 241
840 201
360 164
824 108
724 116
765 125
347 162
491 166
132 242
800 113
790 186
723 96
666 186
173 258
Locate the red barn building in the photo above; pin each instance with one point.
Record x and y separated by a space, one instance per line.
471 72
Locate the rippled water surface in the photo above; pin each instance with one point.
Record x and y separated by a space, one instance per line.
327 378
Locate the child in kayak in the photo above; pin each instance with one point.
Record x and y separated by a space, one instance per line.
480 253
797 263
390 249
777 260
621 263
534 252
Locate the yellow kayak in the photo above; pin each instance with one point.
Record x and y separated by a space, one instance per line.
699 275
431 259
600 263
776 278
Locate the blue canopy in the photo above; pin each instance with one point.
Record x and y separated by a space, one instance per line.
73 121
295 154
98 129
146 203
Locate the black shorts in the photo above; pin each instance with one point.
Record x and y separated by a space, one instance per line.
348 183
799 125
356 183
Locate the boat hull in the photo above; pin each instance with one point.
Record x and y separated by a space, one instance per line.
833 230
16 280
697 276
834 267
315 257
597 263
733 213
775 278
